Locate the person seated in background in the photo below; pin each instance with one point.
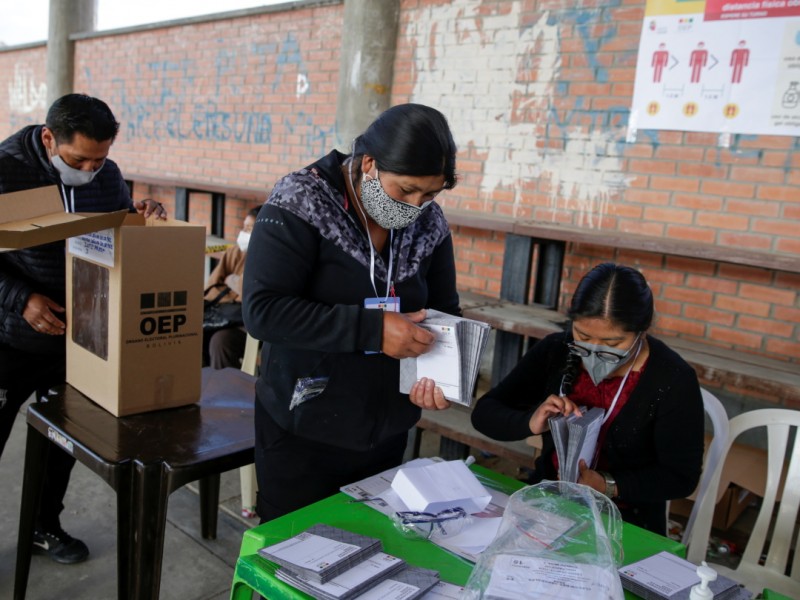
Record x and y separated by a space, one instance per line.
651 440
225 347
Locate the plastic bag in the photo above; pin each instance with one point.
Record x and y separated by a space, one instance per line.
556 540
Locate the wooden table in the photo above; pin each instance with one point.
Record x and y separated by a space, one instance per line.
144 458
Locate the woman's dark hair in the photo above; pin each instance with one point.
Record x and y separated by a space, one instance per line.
79 113
253 212
614 292
617 293
410 139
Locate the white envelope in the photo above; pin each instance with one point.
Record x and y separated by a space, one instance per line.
440 486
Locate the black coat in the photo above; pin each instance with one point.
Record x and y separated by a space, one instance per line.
24 165
654 446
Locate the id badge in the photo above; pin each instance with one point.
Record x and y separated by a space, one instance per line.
391 304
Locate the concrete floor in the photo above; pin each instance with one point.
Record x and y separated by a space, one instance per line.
192 568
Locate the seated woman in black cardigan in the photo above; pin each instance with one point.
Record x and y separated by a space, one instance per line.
651 443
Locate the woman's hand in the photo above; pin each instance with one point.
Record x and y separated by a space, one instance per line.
402 337
591 478
552 406
426 394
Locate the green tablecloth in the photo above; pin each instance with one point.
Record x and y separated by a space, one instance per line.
339 512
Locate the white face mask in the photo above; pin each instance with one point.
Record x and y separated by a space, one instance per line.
71 175
243 240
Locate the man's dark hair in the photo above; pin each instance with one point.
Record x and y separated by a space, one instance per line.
79 113
253 212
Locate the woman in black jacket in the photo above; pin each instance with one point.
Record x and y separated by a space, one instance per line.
337 240
651 442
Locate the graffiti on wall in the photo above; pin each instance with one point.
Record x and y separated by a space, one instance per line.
27 97
505 102
174 99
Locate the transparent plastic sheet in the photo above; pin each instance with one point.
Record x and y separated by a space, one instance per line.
556 540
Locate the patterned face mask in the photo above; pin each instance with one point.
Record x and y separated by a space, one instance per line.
385 210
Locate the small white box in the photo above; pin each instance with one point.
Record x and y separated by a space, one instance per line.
440 486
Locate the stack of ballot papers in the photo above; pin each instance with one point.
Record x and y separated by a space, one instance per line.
334 564
377 492
575 438
455 359
665 576
439 486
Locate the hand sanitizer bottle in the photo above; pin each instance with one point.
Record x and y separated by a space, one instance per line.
701 591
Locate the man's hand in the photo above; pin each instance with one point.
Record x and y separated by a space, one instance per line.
150 207
402 338
39 315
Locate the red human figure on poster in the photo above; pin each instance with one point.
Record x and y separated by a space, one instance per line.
660 60
740 57
697 60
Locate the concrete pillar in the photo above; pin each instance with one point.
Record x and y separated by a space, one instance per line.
66 18
366 70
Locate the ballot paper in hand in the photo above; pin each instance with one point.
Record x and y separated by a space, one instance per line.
440 486
455 359
575 438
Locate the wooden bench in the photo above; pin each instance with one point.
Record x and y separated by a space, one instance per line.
515 320
458 436
185 189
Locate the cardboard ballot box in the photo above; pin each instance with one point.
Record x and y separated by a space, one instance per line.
135 313
37 216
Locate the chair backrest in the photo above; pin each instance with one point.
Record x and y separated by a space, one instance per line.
779 423
719 421
250 358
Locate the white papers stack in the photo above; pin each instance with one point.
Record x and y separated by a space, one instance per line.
407 584
665 576
473 538
329 563
350 583
440 486
321 552
575 438
455 359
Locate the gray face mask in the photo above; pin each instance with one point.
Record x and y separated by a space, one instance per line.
597 368
385 210
71 175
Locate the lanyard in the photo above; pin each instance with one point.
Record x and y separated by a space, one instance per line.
372 247
372 264
621 385
69 206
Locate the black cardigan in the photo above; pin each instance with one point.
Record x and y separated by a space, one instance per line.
654 446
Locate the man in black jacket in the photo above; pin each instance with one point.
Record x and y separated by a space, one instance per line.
70 150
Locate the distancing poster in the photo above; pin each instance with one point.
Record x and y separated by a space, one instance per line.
723 66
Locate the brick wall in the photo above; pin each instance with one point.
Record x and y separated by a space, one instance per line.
538 95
